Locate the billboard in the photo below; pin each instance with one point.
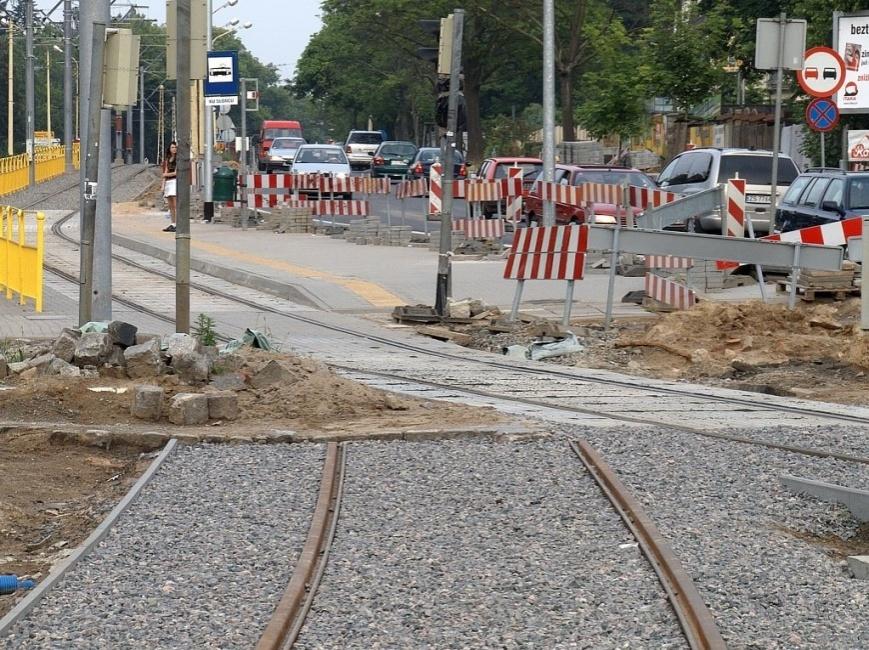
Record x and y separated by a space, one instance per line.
851 32
858 146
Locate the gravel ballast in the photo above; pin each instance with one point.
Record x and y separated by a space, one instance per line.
752 548
198 561
479 545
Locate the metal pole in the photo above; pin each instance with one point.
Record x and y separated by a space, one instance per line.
128 137
48 91
548 104
611 282
207 196
776 134
142 116
91 169
182 233
67 84
10 149
517 300
161 124
843 161
442 287
864 284
823 152
568 304
29 92
242 171
795 277
103 232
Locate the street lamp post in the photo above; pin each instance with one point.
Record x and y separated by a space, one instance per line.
67 85
30 109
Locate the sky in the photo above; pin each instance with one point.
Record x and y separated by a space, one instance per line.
281 28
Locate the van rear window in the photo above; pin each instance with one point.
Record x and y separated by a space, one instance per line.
365 138
271 134
757 170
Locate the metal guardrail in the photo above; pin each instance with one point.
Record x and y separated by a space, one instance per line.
50 163
21 262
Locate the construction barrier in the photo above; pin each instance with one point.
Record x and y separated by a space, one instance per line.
830 234
480 228
669 292
409 189
668 262
20 261
513 192
548 253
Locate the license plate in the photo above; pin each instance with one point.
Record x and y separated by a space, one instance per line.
399 163
757 198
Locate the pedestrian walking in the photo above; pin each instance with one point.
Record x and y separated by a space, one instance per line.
170 182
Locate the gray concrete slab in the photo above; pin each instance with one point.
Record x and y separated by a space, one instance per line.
857 501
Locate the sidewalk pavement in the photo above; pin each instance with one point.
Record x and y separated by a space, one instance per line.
327 273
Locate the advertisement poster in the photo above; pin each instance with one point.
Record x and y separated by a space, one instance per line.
858 146
852 40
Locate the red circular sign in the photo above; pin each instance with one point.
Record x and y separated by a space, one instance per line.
823 72
822 114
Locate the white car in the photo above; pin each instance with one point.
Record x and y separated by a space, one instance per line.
324 159
282 152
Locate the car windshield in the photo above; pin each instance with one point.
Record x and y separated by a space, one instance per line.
271 134
287 143
365 138
397 150
858 195
691 167
757 170
529 170
613 177
330 156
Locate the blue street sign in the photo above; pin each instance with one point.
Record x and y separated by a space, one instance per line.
222 77
822 114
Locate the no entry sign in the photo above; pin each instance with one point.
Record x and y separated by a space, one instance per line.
822 114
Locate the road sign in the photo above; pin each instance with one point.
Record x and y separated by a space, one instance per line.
228 100
766 44
822 114
222 77
823 72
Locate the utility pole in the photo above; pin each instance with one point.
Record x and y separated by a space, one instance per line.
548 105
161 124
141 115
444 279
67 84
242 171
48 91
103 234
91 170
29 92
207 197
776 132
10 149
128 137
182 232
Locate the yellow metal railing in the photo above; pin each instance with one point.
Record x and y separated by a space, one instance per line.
20 261
50 163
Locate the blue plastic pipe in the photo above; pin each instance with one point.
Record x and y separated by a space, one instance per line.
9 584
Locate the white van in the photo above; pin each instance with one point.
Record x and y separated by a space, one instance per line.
702 169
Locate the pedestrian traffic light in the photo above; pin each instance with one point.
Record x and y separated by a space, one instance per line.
443 103
442 29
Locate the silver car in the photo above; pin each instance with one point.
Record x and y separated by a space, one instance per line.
282 152
360 147
325 159
702 169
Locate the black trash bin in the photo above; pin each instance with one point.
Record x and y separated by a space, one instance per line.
225 181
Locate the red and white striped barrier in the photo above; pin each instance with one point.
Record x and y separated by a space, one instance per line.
435 190
483 191
668 262
548 253
644 197
638 197
370 185
408 189
829 234
336 185
480 228
669 292
734 194
353 208
513 191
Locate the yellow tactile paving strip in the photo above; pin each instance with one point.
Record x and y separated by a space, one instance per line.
373 293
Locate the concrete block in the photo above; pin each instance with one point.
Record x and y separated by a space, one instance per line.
272 373
41 362
188 408
122 333
222 405
64 345
92 348
857 501
191 366
60 367
143 360
180 344
859 565
147 403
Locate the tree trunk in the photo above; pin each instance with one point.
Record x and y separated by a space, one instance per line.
472 107
565 82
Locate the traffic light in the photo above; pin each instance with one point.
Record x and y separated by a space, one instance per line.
442 29
443 103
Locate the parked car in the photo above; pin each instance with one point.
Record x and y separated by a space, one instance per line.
391 159
360 147
282 152
606 213
496 168
327 159
420 166
823 195
702 169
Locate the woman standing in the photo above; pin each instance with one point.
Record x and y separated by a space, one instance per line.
170 183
